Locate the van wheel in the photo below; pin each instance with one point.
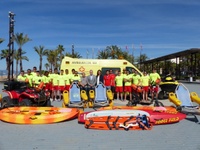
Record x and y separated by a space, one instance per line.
25 102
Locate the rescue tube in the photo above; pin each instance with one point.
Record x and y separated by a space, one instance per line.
65 97
174 99
109 94
137 88
37 115
40 86
84 95
194 97
91 94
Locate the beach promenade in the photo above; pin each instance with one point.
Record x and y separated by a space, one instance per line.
70 135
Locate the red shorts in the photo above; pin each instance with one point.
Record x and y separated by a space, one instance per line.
154 89
54 88
67 87
145 88
127 89
119 89
48 86
61 88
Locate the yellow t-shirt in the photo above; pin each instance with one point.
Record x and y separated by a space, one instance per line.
119 80
127 77
30 79
154 77
61 80
67 79
136 79
46 79
37 80
77 78
54 78
33 73
145 80
21 78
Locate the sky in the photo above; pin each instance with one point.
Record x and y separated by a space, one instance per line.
161 27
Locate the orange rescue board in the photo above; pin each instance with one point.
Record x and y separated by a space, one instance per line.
37 115
117 123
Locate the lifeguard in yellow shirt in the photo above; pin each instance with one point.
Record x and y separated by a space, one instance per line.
144 82
22 77
154 80
119 85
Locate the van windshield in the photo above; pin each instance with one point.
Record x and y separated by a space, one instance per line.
131 70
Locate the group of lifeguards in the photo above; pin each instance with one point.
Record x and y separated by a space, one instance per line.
127 83
122 84
54 82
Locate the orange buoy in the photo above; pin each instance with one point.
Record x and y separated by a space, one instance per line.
137 88
158 81
26 80
40 86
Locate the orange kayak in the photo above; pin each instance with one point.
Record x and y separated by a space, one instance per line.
37 115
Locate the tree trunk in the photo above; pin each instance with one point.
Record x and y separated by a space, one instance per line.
20 62
17 63
40 67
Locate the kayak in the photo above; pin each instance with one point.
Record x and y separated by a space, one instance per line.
37 115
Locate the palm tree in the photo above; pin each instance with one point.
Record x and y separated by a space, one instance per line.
76 55
21 39
52 58
60 49
103 54
41 51
5 55
47 66
18 58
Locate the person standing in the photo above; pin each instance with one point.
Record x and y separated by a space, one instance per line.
154 80
46 79
54 80
34 72
67 79
119 86
83 82
29 77
91 81
99 77
144 82
127 85
22 77
37 79
135 81
112 77
107 80
61 84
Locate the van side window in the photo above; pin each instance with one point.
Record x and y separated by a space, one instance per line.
113 70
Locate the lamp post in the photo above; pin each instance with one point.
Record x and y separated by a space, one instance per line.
11 46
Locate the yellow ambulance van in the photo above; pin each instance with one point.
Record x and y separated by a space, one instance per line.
85 65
